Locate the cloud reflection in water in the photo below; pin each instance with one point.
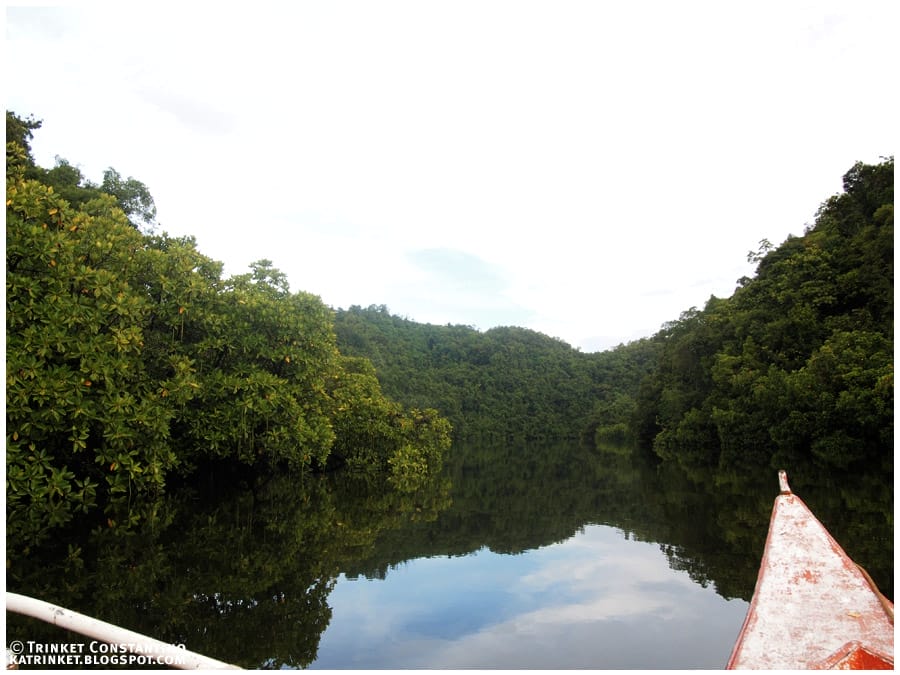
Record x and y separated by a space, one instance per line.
597 600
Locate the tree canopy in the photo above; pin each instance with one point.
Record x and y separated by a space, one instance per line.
132 196
129 358
799 361
505 382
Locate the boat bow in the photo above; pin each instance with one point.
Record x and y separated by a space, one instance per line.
813 607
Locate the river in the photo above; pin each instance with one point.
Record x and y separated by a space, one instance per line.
596 600
547 555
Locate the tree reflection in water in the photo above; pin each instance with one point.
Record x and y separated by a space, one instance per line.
240 572
241 568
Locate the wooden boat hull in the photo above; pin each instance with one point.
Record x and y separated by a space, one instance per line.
813 607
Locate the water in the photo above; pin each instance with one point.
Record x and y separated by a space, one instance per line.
596 600
537 563
519 556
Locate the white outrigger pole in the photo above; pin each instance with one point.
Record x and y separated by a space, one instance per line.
161 652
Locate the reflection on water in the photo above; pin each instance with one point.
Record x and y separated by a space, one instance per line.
597 600
538 556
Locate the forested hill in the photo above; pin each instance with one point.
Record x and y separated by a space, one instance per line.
797 363
130 358
504 382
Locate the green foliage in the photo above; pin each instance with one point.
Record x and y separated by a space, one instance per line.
133 196
512 497
374 434
19 132
843 398
128 356
67 181
503 383
255 558
799 361
81 412
610 417
264 357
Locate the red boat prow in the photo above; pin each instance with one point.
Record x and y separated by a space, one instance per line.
813 607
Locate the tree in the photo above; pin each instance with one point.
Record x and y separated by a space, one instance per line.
798 360
82 417
128 356
264 359
133 196
20 132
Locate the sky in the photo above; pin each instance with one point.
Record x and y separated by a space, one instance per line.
589 170
595 600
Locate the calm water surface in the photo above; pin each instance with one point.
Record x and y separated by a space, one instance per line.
520 556
596 600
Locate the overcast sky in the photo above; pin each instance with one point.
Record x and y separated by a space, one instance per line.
589 170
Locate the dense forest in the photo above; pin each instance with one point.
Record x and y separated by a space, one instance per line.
797 364
179 423
503 383
130 359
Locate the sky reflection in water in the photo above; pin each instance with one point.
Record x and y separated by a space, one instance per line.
597 600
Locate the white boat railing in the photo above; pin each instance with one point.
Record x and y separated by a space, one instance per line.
122 639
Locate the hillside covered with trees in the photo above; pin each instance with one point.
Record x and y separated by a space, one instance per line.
798 363
130 359
506 382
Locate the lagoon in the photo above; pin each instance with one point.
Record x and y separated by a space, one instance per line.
598 600
519 556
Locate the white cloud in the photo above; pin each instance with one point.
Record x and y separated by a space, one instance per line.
591 599
612 162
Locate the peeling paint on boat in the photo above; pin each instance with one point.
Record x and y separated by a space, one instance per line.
812 607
